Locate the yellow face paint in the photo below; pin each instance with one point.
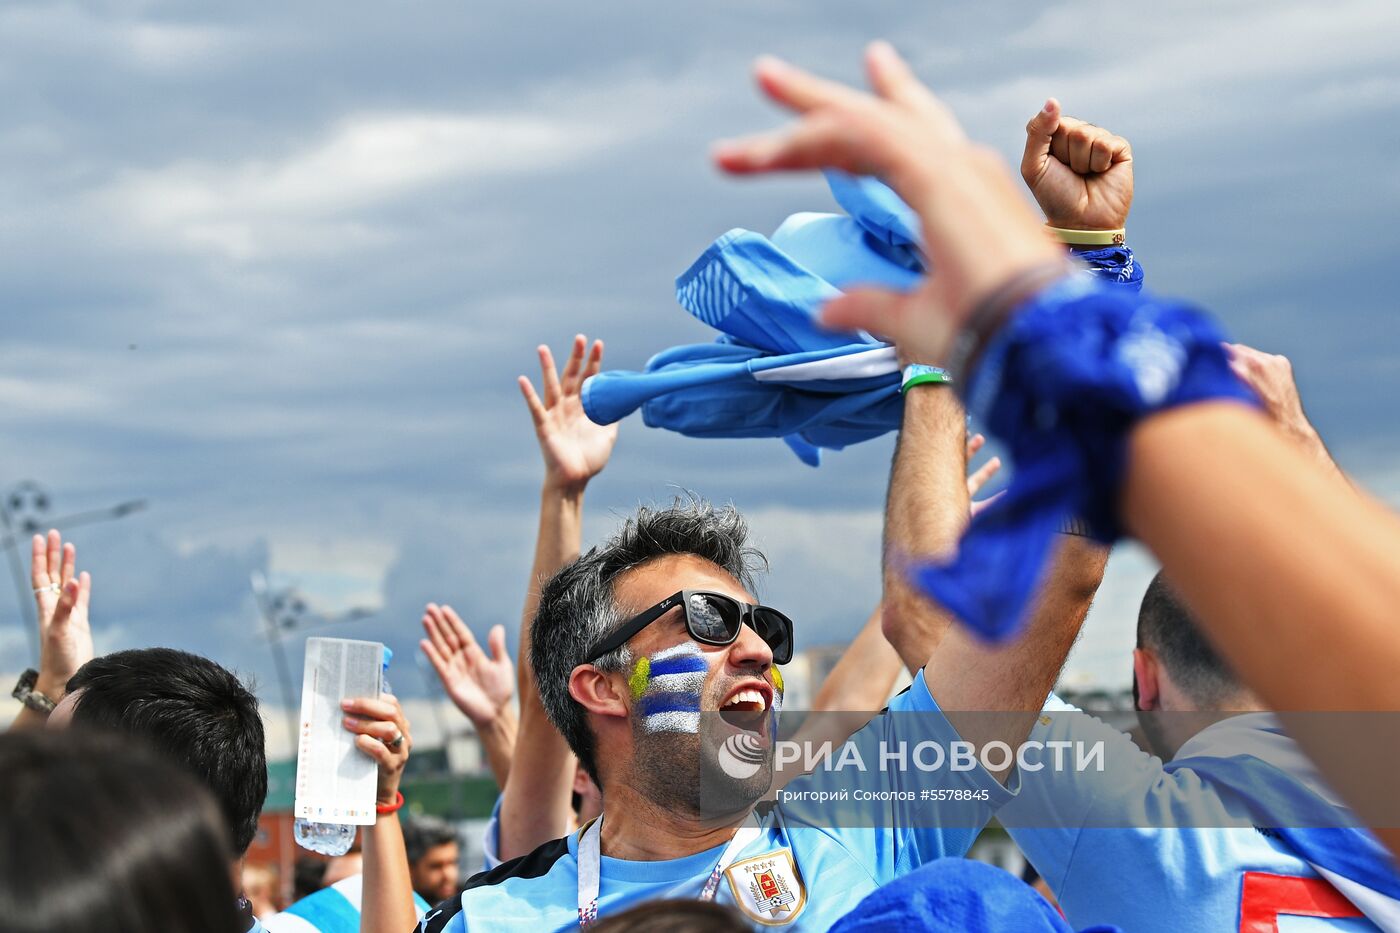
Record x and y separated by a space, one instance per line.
777 678
637 683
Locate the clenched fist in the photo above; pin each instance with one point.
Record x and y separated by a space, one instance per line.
1081 174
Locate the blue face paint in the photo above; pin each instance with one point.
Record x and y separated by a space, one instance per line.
667 688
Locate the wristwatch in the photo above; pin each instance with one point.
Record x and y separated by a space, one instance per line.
24 692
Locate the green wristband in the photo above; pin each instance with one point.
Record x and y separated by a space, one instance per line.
918 374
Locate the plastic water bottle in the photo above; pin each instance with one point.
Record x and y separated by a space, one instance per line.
335 838
325 838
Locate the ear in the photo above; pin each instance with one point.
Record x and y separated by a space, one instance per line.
1146 674
597 692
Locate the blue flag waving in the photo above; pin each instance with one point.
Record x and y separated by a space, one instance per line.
773 371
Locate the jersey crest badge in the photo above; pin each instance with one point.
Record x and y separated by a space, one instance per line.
767 888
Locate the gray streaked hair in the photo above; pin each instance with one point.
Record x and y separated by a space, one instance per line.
577 608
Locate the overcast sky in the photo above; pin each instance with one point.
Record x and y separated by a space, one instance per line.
275 266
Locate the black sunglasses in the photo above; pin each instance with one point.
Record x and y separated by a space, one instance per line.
711 618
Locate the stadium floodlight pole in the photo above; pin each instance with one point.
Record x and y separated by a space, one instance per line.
283 612
276 610
24 511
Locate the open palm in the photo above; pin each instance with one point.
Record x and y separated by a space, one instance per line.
61 597
574 448
479 684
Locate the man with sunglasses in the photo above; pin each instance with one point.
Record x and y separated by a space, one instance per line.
651 652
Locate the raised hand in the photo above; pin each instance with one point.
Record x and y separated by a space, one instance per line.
574 448
1271 377
978 231
481 686
61 597
1081 174
381 731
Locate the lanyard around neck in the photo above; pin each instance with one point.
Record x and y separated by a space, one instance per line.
590 861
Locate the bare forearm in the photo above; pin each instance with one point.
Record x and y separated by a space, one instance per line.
967 674
925 513
557 543
535 805
535 801
386 905
1307 438
498 744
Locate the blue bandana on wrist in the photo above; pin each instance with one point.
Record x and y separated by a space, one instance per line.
1111 263
1063 383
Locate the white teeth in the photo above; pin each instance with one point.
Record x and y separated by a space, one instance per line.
748 696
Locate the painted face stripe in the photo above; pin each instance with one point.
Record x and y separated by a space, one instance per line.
668 703
667 688
673 722
685 665
677 683
677 651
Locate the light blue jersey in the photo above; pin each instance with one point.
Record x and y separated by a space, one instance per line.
797 874
491 838
333 909
1121 846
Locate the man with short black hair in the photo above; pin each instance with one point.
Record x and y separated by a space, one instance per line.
189 708
193 711
1176 670
433 851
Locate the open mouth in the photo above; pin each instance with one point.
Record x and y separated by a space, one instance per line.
746 701
747 709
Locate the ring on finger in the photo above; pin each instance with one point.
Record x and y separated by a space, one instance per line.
396 742
48 588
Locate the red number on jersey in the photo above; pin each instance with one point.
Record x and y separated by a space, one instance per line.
1264 897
